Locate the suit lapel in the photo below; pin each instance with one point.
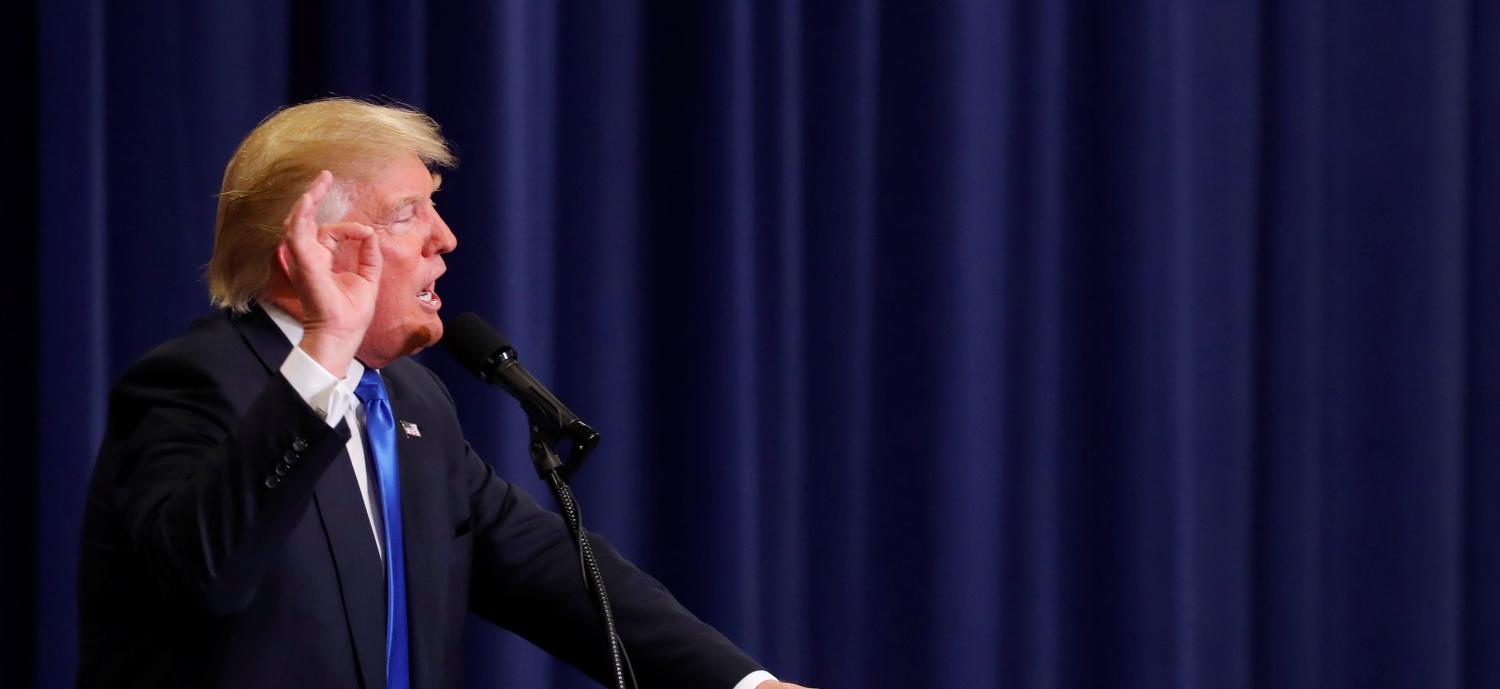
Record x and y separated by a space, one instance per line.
264 338
345 522
360 572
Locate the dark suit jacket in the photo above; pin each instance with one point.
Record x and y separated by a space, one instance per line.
225 543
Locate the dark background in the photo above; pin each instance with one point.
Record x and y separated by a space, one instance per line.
934 344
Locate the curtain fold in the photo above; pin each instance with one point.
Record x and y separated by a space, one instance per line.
956 344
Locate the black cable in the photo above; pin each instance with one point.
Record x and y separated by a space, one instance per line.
593 576
583 573
629 669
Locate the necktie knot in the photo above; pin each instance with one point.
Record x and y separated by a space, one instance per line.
370 387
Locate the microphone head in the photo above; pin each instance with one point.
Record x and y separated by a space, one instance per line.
473 342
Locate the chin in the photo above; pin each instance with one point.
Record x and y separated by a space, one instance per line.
390 344
423 336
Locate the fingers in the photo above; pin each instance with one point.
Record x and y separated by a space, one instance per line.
300 222
334 234
313 197
304 261
371 261
350 248
314 255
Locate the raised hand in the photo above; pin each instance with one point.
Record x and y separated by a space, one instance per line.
335 270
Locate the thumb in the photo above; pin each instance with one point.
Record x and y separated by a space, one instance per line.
371 261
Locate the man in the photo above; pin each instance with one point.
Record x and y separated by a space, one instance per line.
256 519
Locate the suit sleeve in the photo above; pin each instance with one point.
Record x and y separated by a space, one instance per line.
527 578
205 486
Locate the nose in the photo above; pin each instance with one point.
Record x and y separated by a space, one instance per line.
443 239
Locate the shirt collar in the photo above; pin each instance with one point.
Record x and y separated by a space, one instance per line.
292 328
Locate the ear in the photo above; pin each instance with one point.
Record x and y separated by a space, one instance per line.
283 259
278 289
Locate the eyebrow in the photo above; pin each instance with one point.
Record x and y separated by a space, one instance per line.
437 184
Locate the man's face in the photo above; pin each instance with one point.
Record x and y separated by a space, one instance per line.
395 198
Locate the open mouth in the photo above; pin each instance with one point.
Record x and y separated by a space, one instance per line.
429 298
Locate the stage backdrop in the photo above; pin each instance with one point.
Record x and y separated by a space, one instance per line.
1040 344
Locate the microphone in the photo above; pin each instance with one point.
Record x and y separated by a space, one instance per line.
487 354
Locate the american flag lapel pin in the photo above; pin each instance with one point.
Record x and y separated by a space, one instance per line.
410 429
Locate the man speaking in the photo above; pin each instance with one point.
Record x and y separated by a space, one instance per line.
283 499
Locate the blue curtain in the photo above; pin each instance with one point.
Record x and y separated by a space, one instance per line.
934 344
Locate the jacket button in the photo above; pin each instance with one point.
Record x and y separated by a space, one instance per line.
273 481
282 468
291 457
299 444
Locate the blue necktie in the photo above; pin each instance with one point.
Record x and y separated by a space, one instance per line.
380 428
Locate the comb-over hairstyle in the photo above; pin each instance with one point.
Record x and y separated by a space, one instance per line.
278 161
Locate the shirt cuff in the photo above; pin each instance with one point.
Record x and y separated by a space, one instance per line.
753 680
317 387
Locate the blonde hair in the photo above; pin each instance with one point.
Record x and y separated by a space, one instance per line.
279 159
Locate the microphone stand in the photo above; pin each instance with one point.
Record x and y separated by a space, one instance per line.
551 469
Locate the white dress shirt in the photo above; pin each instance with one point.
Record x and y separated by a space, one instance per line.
333 399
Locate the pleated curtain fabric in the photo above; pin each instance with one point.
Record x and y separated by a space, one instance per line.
981 344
